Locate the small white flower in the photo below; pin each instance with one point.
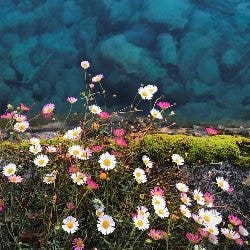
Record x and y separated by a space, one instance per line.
141 223
210 217
198 197
185 199
197 247
197 219
224 185
230 234
85 65
148 163
21 126
144 93
9 169
140 175
156 114
152 89
182 187
41 160
75 150
107 161
158 202
34 141
243 231
212 229
185 211
79 178
143 211
213 239
95 109
177 159
162 212
70 224
35 149
106 224
49 178
73 134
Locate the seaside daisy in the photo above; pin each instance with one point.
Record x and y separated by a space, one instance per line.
243 231
70 224
156 114
182 187
21 126
105 224
107 161
72 99
41 160
75 150
79 178
85 65
185 211
49 178
158 202
35 149
148 163
177 159
73 134
9 169
224 185
140 175
94 109
34 141
143 211
162 212
145 93
230 234
151 88
198 197
15 178
77 244
141 223
97 78
185 199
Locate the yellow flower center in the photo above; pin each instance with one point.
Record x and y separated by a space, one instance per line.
50 179
138 174
10 170
206 218
21 127
76 152
75 133
105 224
144 94
70 224
41 162
221 184
140 223
106 162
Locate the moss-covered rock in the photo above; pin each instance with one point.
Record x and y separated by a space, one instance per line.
198 150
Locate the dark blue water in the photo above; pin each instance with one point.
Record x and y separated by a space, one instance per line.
196 51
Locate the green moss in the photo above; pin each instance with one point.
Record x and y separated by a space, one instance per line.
198 150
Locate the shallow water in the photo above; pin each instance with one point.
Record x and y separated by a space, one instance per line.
196 52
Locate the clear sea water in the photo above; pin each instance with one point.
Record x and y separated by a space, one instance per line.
196 51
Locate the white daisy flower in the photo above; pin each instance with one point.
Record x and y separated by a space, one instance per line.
213 239
210 217
140 175
41 160
49 178
142 211
185 199
35 149
9 169
79 178
185 211
198 197
158 202
197 219
21 126
85 154
212 229
156 114
148 163
198 247
70 224
224 185
75 150
243 231
177 159
230 234
141 223
162 212
144 93
152 89
182 187
95 109
73 134
107 161
105 224
34 141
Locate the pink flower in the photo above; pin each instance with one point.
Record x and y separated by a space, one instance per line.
97 78
51 149
2 205
157 191
239 242
15 178
8 115
73 169
23 107
20 117
78 244
97 148
72 99
119 132
91 184
234 220
85 65
211 131
104 115
117 154
47 110
164 105
203 232
193 238
70 206
157 234
209 198
120 142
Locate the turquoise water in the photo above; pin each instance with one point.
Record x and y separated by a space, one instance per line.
196 51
